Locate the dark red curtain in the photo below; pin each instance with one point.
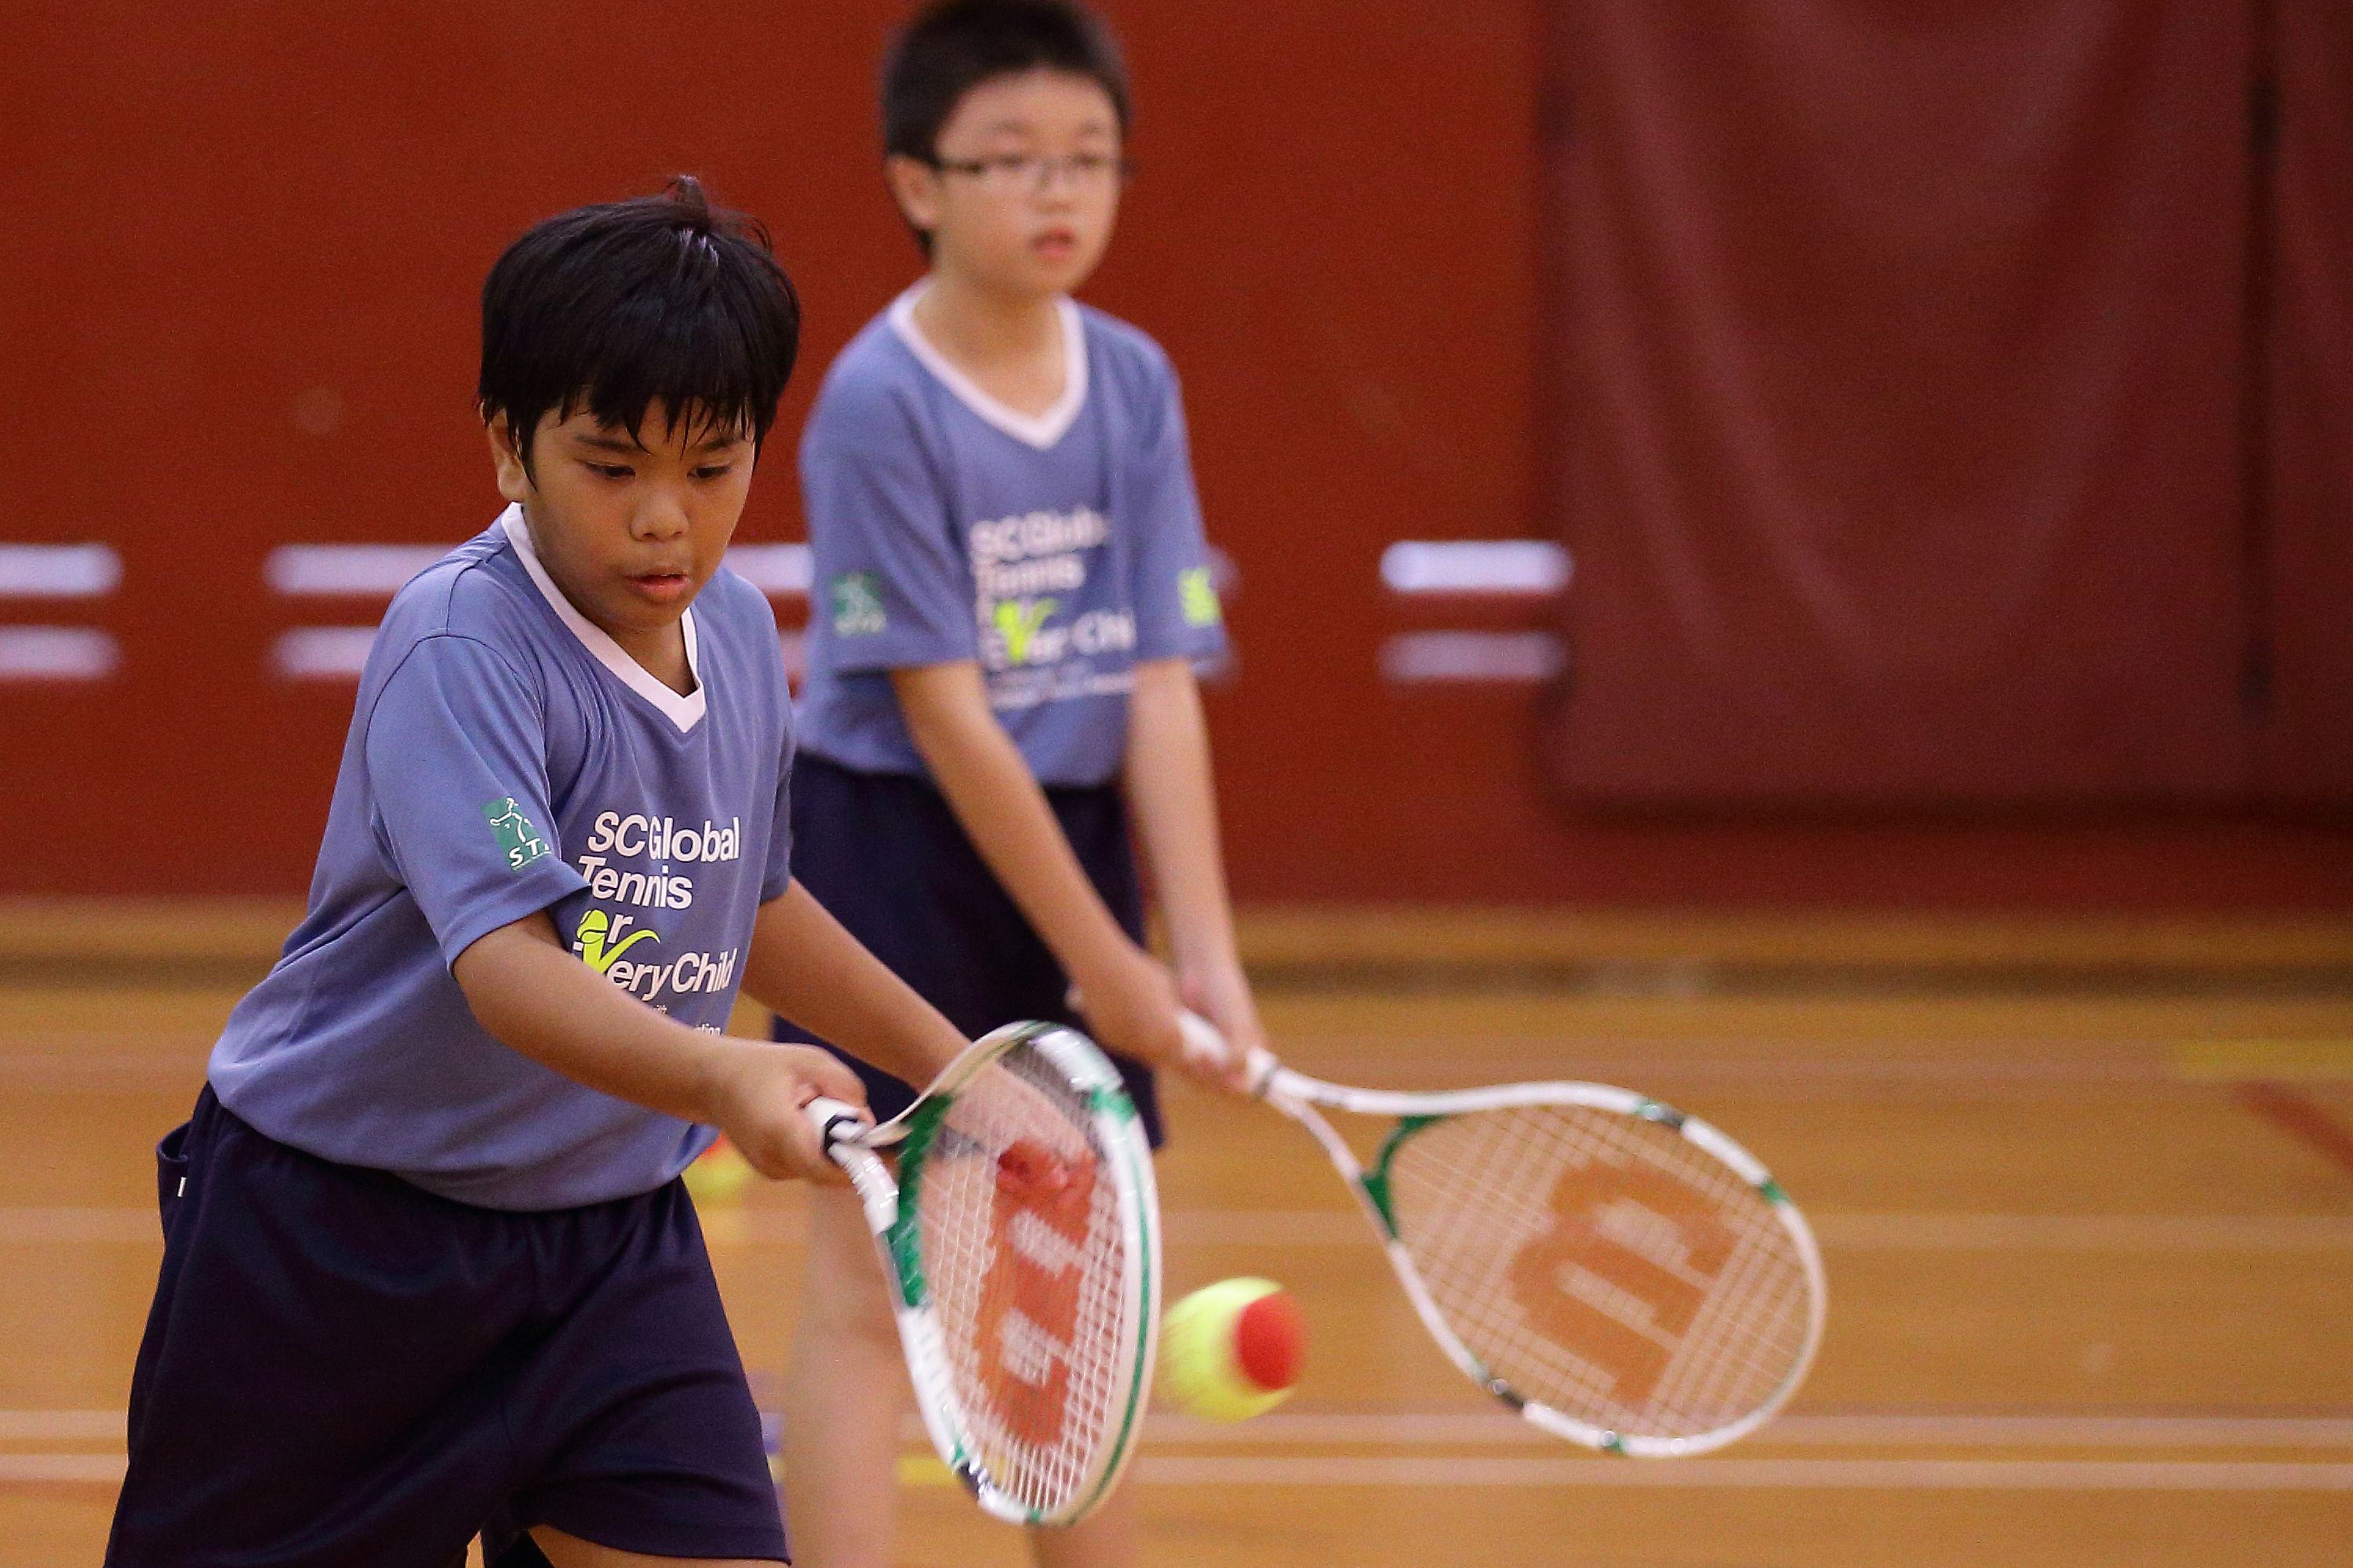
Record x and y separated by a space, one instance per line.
1900 401
2306 537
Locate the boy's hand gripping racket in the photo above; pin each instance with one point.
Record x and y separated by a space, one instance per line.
1021 1241
1619 1273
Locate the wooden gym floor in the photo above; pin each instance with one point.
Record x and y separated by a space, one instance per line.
2086 1199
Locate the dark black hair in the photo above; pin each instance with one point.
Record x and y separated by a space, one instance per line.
952 45
616 307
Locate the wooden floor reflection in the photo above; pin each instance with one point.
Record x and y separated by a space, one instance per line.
2089 1288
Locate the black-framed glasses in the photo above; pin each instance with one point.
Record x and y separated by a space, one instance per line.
1036 171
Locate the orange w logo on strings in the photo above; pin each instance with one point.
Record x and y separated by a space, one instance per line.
1029 1302
1634 1349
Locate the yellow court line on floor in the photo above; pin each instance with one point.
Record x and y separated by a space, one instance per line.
924 1470
2234 1061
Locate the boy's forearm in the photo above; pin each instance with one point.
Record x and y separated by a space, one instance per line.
803 964
543 1001
1169 787
1004 812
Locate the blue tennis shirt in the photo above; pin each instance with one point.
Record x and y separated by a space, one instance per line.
505 755
1054 550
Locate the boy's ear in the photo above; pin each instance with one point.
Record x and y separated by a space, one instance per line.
915 187
514 478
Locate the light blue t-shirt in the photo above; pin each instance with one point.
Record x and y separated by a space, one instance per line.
1056 551
506 756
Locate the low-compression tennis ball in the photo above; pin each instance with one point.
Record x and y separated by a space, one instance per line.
718 1173
1232 1349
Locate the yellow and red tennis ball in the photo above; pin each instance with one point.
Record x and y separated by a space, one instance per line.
718 1174
1232 1349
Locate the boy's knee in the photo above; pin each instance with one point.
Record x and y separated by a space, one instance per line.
844 1294
850 1311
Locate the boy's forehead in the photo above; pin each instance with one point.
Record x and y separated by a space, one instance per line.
700 430
1033 101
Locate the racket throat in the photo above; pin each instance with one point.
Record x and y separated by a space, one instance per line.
1376 1185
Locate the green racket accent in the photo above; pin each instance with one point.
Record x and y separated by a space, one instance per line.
906 1231
1660 1112
1772 1192
1114 1099
1376 1181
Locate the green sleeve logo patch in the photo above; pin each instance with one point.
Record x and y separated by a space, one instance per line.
1198 596
856 605
518 840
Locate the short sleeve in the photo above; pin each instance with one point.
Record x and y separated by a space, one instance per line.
778 873
889 580
1176 610
456 767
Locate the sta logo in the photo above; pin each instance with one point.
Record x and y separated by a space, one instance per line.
517 838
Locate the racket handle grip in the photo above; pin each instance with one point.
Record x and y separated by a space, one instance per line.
836 1121
1206 1050
1205 1047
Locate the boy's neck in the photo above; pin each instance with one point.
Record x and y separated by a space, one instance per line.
1010 344
662 653
660 650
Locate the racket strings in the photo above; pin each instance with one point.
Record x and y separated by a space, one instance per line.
1751 1331
1602 1265
1024 1252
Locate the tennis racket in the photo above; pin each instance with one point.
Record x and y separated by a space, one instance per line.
1021 1238
1621 1275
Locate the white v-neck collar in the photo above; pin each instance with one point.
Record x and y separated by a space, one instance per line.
1039 430
684 712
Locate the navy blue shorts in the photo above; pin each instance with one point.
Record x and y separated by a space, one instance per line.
883 853
340 1369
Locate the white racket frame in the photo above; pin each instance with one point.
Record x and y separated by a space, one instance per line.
1297 1095
853 1142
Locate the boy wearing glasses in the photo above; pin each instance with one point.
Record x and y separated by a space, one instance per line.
1011 591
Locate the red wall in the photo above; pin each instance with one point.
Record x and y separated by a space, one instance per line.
1904 360
2307 752
214 213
